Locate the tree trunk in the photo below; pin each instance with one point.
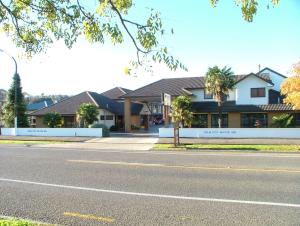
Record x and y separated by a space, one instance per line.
175 136
178 141
220 114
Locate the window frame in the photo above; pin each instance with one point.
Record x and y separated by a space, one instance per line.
208 95
254 92
225 123
109 117
251 120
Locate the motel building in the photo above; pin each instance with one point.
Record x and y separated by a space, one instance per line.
253 102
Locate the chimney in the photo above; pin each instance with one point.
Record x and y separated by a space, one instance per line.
259 68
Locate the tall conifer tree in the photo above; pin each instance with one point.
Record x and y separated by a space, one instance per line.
10 110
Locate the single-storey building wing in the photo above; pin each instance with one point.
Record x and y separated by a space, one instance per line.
111 112
254 98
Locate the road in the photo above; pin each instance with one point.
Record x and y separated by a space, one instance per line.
109 187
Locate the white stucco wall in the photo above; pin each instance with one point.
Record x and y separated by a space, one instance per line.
199 95
276 79
232 132
108 123
55 132
243 91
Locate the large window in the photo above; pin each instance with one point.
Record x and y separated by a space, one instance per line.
214 121
106 117
258 92
296 119
254 120
200 121
207 95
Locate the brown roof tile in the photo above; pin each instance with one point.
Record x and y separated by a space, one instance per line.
115 93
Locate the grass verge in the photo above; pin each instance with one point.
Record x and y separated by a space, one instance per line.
16 222
230 147
28 142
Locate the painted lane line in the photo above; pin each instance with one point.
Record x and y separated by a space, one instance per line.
185 166
154 195
90 217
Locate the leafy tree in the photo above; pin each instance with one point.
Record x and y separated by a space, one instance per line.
35 24
291 88
218 82
181 115
15 105
87 113
248 7
53 120
282 121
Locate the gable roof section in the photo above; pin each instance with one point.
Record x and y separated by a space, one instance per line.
180 86
263 77
275 72
172 86
115 93
67 106
70 105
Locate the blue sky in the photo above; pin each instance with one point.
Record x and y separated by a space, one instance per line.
204 36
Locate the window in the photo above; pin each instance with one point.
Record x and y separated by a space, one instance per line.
207 95
296 119
106 117
109 117
258 92
214 121
200 121
254 120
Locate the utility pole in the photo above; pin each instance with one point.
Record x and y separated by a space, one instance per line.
15 104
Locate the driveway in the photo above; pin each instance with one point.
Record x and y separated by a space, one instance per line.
138 143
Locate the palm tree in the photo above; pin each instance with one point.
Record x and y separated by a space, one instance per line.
218 82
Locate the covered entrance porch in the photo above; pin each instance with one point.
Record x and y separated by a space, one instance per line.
151 116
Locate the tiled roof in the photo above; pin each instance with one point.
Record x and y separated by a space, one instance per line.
177 86
115 93
230 106
67 106
70 105
172 86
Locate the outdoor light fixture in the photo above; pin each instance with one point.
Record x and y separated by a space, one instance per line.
15 104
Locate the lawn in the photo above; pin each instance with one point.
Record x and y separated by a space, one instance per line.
15 222
231 147
28 142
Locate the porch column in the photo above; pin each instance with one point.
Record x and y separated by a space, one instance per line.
127 114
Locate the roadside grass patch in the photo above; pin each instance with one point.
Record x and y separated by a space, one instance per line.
29 142
230 147
16 222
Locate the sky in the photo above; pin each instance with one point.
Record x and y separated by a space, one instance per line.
204 37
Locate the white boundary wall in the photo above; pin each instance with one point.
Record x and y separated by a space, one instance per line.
55 132
232 132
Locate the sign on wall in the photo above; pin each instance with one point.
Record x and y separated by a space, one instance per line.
167 99
232 132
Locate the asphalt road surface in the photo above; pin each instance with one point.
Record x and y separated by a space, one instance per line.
109 187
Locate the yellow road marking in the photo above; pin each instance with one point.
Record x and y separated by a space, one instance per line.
185 166
90 217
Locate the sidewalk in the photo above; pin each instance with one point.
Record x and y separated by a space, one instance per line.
231 141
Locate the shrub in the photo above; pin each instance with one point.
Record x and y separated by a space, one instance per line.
282 121
114 128
105 130
134 127
53 120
